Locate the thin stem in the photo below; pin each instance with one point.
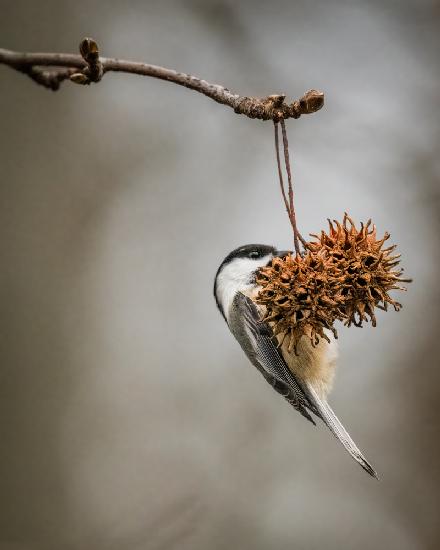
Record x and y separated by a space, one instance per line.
296 234
280 173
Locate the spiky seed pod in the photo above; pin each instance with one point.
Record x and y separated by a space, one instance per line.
362 269
345 274
296 295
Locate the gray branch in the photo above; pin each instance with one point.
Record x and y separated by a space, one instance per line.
51 69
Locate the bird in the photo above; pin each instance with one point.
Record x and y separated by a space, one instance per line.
303 378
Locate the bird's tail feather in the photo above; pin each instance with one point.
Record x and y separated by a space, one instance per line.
338 430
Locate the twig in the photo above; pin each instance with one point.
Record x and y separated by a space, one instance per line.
51 69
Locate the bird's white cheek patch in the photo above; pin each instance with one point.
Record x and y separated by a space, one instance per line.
226 291
236 277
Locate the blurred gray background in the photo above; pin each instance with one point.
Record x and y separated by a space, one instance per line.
129 417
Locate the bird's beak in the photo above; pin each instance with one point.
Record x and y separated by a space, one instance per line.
282 253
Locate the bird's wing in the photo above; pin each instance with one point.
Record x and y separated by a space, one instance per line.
270 360
301 395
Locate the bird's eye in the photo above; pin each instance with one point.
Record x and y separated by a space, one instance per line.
254 254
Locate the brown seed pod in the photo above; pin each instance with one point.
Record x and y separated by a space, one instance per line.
298 298
344 275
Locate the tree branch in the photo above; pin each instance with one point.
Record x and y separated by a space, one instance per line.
51 69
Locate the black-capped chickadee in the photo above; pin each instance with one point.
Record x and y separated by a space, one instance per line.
304 379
